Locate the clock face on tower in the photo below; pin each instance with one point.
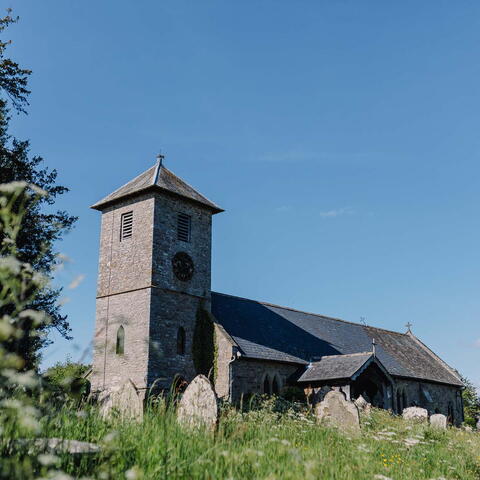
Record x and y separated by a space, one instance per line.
183 267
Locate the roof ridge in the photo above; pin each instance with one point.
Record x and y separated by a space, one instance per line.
309 313
345 355
430 352
191 186
124 185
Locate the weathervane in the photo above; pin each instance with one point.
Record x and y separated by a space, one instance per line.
409 325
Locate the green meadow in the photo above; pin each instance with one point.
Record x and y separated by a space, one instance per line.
272 441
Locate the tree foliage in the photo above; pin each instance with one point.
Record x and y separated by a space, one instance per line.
13 78
471 402
42 226
68 376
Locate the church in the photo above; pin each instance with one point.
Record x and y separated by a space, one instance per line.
154 284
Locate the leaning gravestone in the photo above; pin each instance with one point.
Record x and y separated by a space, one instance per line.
415 413
363 406
198 407
438 421
124 401
336 410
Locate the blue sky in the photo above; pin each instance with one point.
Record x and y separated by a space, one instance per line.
340 137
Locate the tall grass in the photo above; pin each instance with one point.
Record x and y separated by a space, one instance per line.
263 444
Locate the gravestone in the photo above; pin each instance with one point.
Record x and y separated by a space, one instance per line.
478 424
438 421
362 405
124 400
415 413
336 410
198 407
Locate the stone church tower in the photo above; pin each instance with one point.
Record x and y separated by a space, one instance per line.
154 275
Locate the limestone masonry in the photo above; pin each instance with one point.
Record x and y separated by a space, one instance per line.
154 284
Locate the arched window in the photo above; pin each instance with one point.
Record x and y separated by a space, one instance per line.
276 386
399 402
450 414
266 385
120 348
181 341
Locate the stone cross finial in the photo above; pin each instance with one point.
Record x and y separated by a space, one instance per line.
409 325
374 347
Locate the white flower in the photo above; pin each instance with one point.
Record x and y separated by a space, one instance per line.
133 473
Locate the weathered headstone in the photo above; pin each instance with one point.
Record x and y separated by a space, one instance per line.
336 410
198 407
124 401
478 424
438 421
363 406
415 413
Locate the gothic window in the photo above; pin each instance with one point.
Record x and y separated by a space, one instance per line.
126 225
120 348
450 414
181 341
266 385
399 402
276 386
184 223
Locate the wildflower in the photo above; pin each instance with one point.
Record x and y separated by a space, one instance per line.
133 473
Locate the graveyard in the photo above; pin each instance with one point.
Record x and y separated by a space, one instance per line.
269 438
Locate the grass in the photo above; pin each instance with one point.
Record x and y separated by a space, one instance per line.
263 444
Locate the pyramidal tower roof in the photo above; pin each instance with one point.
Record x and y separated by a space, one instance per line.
161 179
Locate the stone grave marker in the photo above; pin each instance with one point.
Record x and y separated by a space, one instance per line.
198 406
438 421
336 410
415 413
124 400
363 406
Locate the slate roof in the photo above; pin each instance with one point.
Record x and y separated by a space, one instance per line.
270 332
157 178
333 367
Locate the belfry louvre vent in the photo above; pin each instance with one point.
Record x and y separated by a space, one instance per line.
126 225
184 223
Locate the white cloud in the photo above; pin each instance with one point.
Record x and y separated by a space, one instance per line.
477 343
284 209
337 212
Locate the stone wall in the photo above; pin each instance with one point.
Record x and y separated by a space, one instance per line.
434 397
132 311
165 245
248 376
126 264
123 295
169 312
